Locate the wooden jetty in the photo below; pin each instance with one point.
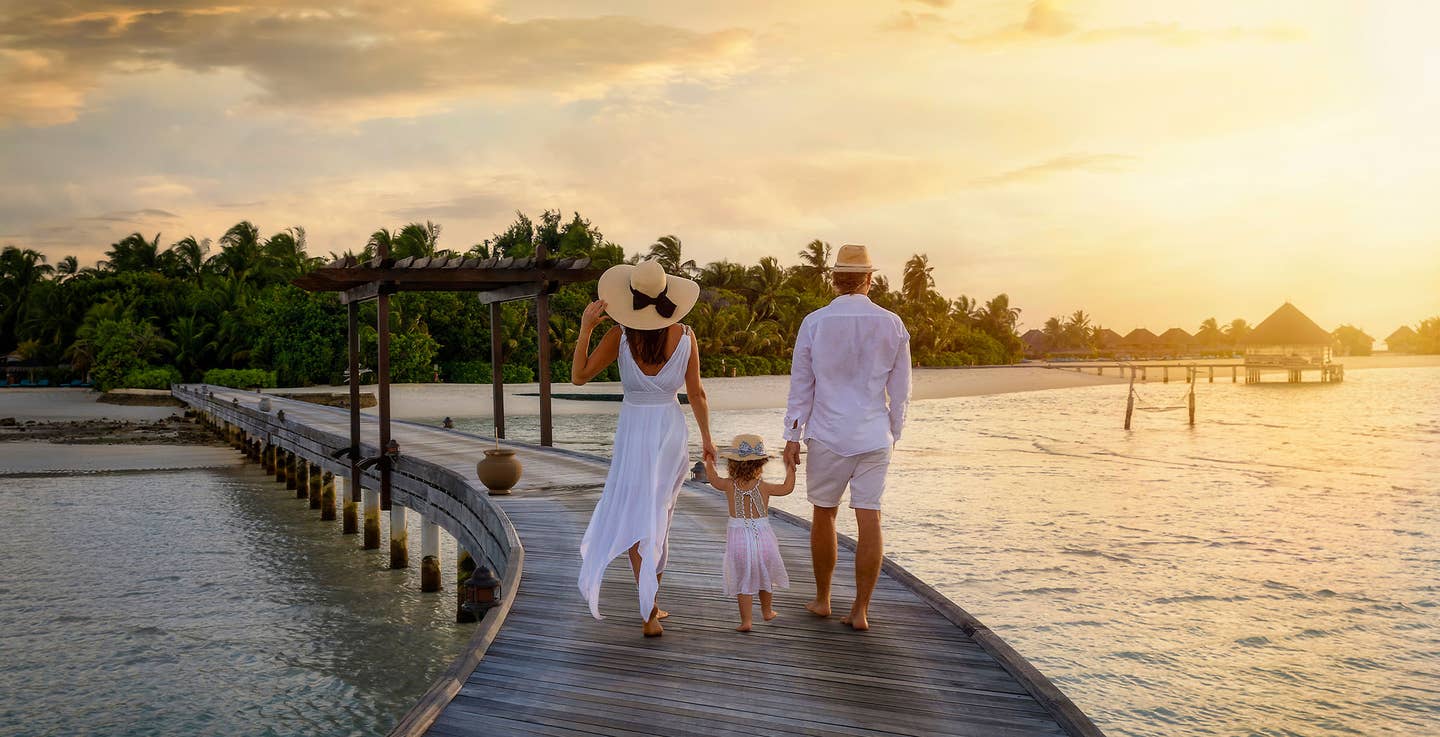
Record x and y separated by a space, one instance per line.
538 664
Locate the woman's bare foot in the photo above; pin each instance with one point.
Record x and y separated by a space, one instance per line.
769 615
857 621
661 613
744 627
818 609
652 628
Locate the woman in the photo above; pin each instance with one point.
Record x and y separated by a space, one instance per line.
657 356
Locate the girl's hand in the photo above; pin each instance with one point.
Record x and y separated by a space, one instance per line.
594 315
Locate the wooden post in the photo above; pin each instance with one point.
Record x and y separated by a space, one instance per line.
302 478
1234 373
280 463
371 500
1130 402
317 483
1212 374
292 470
351 524
464 566
349 515
382 391
542 333
267 458
429 556
1167 375
327 496
399 538
1192 404
497 372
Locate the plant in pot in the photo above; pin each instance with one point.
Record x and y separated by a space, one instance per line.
500 470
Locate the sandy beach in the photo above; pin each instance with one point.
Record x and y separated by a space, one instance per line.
424 401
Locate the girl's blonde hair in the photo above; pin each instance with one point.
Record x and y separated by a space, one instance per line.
744 471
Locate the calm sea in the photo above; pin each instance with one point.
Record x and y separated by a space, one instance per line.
204 600
1273 570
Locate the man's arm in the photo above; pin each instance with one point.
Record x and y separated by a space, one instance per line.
802 393
898 387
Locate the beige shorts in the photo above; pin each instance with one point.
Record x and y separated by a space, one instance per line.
827 473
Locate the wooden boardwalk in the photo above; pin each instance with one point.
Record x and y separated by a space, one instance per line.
553 670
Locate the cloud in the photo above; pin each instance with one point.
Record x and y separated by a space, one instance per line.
134 216
1102 163
913 21
354 60
1048 20
932 3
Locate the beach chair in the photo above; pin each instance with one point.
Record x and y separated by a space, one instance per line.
44 382
25 382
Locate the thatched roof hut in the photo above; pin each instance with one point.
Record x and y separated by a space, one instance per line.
1288 336
1034 341
1402 340
1176 337
1107 338
1140 337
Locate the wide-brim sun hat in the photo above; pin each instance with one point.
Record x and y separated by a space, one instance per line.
853 259
745 448
643 297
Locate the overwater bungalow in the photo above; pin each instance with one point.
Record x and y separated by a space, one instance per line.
1034 341
1402 340
1288 340
1107 339
1176 342
1139 342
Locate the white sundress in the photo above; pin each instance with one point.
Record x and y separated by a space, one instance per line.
752 554
650 460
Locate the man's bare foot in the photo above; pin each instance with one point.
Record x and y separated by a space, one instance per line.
858 622
770 615
653 628
744 627
818 609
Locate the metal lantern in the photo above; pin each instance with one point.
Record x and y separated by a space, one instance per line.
482 592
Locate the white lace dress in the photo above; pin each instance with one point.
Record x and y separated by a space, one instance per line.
649 464
752 554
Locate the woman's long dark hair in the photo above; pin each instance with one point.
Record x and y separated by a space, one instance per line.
648 345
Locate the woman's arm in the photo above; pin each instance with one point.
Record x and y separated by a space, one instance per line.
785 488
695 392
587 365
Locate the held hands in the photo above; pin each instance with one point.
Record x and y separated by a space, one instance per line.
710 454
594 315
792 454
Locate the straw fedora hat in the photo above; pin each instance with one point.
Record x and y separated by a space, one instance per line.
745 448
643 297
853 259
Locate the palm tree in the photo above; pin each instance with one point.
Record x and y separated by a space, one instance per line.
415 239
766 287
1209 332
814 263
134 254
918 280
188 256
1237 330
999 317
67 269
20 271
191 336
284 254
240 254
722 274
1054 331
1077 330
666 250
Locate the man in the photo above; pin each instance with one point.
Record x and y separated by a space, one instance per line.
849 386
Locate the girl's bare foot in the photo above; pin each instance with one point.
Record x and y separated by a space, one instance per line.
769 615
744 627
818 609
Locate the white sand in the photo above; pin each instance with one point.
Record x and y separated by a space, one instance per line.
51 405
426 401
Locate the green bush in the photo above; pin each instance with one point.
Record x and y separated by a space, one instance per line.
151 377
515 373
466 372
241 378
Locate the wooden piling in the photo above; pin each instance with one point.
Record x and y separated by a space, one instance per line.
464 566
317 483
429 556
399 538
349 515
371 500
302 478
1212 374
1130 402
327 497
292 470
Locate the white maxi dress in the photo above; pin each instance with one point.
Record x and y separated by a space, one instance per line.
649 465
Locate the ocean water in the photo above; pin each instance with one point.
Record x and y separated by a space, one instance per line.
203 600
1273 570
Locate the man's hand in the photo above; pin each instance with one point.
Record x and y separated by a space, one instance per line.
792 454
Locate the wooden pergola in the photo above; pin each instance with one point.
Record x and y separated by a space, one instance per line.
496 280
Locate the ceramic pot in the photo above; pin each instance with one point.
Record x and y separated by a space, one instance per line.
500 470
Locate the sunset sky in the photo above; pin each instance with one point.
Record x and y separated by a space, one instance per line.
1154 163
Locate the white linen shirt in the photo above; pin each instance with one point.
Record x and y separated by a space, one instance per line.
850 356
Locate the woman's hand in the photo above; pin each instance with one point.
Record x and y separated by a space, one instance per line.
594 315
710 454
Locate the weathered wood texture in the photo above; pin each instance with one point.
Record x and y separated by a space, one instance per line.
926 668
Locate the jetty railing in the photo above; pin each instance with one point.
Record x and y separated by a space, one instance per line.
438 494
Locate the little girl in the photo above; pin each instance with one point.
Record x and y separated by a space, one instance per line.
752 554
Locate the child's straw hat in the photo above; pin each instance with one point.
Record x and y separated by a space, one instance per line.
745 448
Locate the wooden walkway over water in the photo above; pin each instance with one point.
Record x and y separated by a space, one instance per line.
926 667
